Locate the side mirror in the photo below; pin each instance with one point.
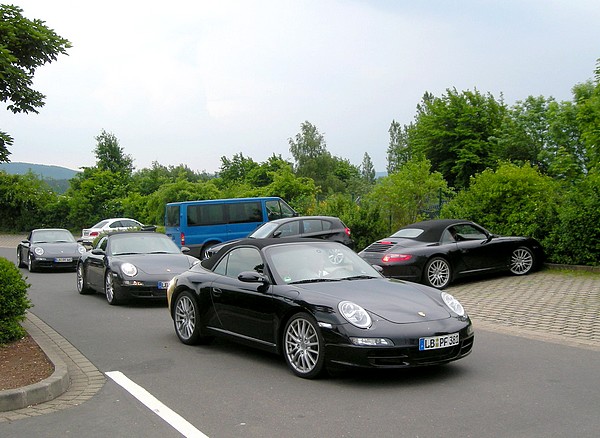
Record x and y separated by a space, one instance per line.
185 249
277 233
253 277
378 268
98 251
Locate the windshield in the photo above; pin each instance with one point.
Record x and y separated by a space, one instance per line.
315 262
140 243
263 231
52 236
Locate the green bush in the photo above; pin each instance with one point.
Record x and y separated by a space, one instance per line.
13 302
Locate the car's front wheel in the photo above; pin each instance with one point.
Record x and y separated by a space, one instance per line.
303 346
31 264
20 262
82 286
437 273
186 317
522 261
112 295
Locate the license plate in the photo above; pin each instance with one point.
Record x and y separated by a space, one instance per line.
63 260
163 284
436 342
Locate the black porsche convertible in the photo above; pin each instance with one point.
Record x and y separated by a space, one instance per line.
318 304
436 252
131 264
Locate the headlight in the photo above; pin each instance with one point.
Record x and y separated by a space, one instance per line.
453 304
128 269
354 314
38 251
81 249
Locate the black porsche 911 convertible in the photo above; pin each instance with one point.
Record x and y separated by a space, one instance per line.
437 252
319 305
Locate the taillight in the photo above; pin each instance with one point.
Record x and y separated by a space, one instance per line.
182 237
93 233
347 230
396 258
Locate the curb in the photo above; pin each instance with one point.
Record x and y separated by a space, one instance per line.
48 389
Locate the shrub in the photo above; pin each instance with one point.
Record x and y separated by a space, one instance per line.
13 302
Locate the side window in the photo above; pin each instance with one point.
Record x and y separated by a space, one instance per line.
326 225
290 229
468 232
172 216
240 260
209 214
448 236
115 224
129 224
312 226
244 212
273 210
102 244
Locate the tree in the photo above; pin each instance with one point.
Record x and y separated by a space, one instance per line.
587 102
25 45
457 133
399 151
110 156
367 170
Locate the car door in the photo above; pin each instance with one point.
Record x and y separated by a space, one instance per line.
245 309
476 249
94 264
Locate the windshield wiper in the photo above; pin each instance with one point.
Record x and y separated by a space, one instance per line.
125 253
358 277
314 280
160 252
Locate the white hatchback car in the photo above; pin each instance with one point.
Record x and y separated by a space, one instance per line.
106 226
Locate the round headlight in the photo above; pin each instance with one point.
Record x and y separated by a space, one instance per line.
354 314
38 250
81 249
128 269
453 304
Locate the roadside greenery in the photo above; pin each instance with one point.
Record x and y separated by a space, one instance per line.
527 169
13 302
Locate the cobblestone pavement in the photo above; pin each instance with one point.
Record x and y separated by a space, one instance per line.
553 305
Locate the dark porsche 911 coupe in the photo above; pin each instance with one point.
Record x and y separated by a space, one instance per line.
318 304
131 264
49 248
437 252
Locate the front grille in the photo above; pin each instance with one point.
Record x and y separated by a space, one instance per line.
408 357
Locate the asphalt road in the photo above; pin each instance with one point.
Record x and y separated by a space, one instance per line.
512 385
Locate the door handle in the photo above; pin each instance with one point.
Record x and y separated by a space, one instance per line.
217 291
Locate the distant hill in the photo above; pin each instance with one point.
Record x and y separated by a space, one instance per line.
42 170
56 177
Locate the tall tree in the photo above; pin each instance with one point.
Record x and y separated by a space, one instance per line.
110 156
399 151
367 170
457 133
25 45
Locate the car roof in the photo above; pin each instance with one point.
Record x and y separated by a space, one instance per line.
432 229
130 232
295 218
49 229
260 244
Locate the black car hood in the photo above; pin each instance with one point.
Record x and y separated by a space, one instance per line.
394 300
67 248
158 263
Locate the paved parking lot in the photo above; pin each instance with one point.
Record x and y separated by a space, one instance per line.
552 305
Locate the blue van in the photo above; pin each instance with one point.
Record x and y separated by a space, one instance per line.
200 224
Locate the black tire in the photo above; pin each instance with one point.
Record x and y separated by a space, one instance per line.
303 346
522 261
20 262
437 273
203 252
31 264
186 319
82 286
112 296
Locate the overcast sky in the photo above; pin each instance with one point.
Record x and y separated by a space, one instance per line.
192 81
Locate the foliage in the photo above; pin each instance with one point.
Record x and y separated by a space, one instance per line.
13 301
456 133
399 149
576 238
367 171
25 45
512 200
22 201
110 156
403 196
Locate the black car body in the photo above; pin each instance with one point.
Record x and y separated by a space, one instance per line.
49 248
311 227
318 304
437 252
131 264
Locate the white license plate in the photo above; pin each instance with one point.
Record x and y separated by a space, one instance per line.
63 260
163 284
436 342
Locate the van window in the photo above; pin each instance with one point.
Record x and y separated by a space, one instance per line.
278 210
172 216
211 214
244 212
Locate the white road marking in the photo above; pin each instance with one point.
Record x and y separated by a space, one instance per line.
152 403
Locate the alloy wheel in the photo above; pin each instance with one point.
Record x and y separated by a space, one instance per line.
303 347
438 273
185 317
521 261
